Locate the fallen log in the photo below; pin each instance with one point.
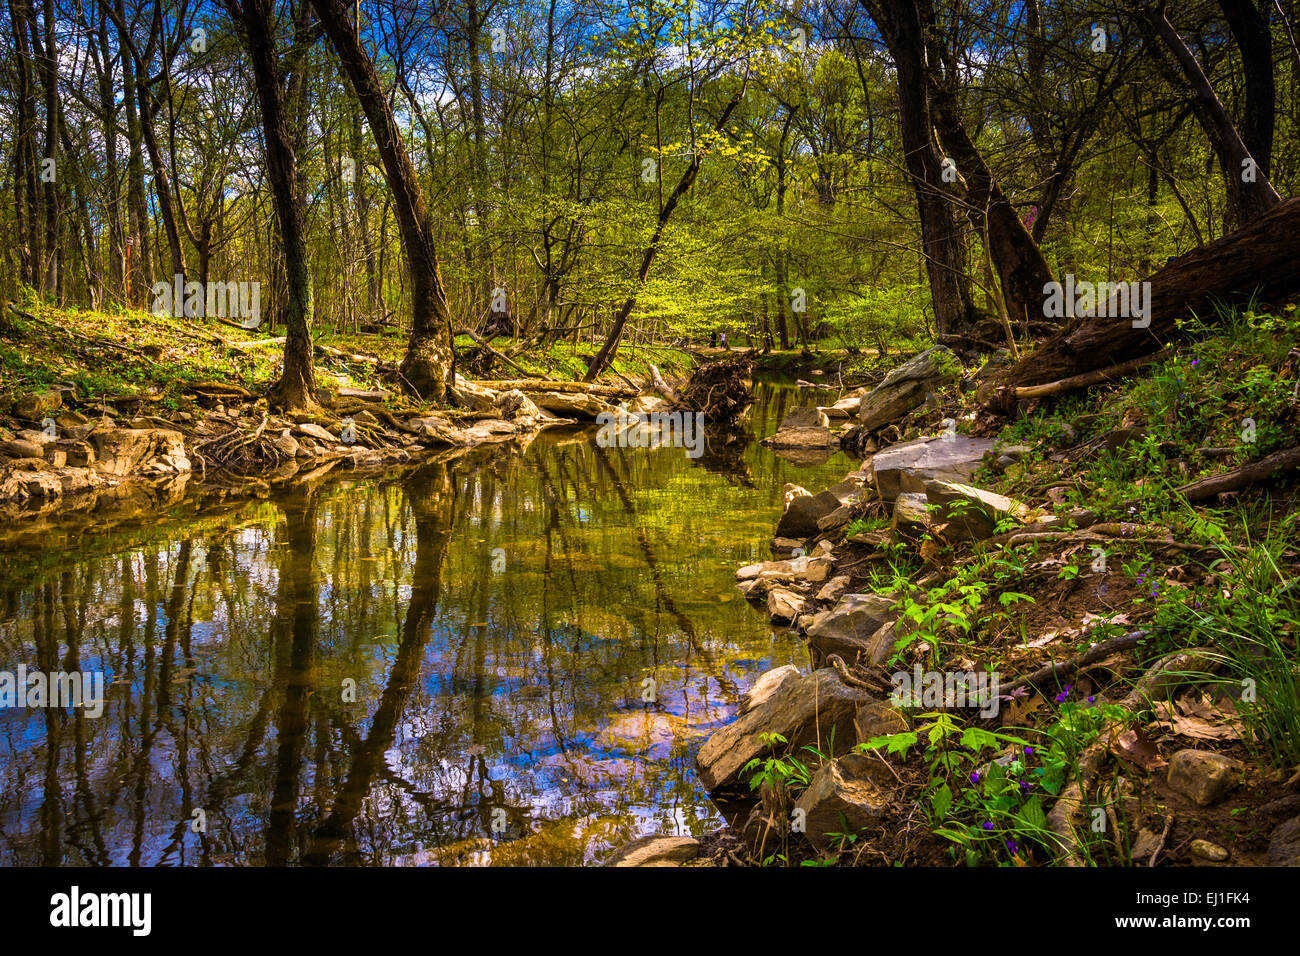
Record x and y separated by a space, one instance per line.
1242 477
1258 259
482 343
662 387
538 385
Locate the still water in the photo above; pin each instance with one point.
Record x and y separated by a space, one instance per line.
509 658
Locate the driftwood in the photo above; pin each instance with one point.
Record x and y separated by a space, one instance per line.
1258 258
1239 478
1055 669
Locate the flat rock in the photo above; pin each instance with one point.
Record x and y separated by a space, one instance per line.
767 684
970 513
799 438
37 405
834 589
656 851
21 448
783 605
1203 775
139 451
1209 851
803 710
476 397
908 466
312 430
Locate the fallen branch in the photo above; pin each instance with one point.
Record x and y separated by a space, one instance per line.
1061 669
481 343
1088 378
1242 477
662 387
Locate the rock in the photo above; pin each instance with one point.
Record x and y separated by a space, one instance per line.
792 491
515 404
878 719
805 567
38 438
1209 851
800 519
1203 775
764 831
906 387
908 466
911 514
786 544
312 430
571 404
847 628
805 416
766 685
838 518
469 395
833 589
139 451
799 438
843 797
37 405
21 448
80 454
647 403
803 711
70 419
56 456
1284 844
846 407
783 605
286 444
656 851
970 513
1144 845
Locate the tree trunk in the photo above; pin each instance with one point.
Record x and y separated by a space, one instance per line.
1259 258
428 366
296 387
899 22
607 350
1250 193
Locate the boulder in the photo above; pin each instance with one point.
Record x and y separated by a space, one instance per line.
22 483
1203 775
846 407
907 386
800 518
766 685
656 851
908 466
969 513
803 711
911 513
848 628
37 405
844 796
145 452
878 719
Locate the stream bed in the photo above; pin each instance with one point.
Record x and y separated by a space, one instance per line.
508 658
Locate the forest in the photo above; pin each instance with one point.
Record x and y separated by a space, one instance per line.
390 392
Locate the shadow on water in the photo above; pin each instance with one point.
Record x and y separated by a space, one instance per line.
507 658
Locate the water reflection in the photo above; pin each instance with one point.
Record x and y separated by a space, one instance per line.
506 658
